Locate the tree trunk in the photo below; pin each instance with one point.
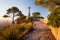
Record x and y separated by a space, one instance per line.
13 19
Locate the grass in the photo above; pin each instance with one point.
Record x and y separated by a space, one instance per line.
15 32
56 32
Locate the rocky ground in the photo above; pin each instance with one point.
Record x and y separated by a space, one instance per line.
40 32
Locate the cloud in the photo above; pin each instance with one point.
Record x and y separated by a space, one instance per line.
4 22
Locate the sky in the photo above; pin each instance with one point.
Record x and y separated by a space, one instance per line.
23 6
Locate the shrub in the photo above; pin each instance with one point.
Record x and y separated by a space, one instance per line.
9 33
54 17
22 29
15 32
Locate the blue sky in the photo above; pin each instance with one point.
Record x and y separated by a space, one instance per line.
23 6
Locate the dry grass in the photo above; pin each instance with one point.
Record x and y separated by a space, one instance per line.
55 31
14 30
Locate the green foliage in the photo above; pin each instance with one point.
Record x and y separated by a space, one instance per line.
12 11
19 14
21 19
41 17
5 16
21 29
36 14
29 20
54 17
50 4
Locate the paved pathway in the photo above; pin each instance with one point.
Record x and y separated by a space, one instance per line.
40 32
